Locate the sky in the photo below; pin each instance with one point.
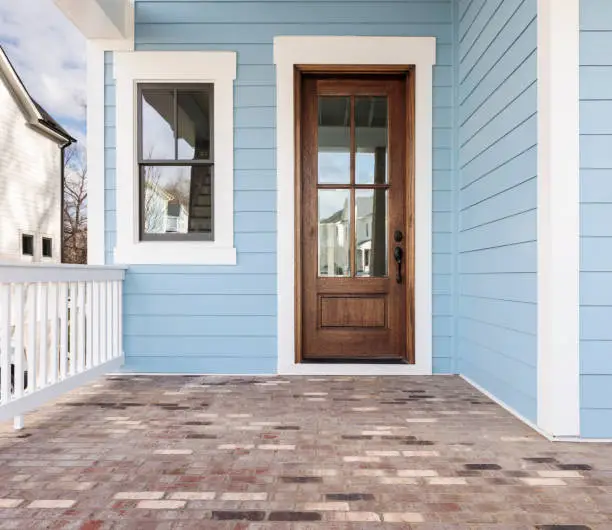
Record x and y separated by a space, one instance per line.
48 53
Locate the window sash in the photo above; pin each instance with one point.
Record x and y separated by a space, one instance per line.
174 236
145 162
175 89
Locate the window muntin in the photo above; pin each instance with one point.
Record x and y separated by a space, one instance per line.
175 159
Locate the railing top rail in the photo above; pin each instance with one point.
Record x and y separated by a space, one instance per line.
12 272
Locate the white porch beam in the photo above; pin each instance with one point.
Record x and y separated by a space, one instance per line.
100 19
558 218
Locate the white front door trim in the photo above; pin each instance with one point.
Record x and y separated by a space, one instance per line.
317 50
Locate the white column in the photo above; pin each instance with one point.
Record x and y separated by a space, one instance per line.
558 217
95 152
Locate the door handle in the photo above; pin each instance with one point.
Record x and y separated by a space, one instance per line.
398 254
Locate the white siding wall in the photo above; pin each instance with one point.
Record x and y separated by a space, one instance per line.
30 183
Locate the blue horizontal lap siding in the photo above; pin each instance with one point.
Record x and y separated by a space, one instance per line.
497 198
204 319
596 218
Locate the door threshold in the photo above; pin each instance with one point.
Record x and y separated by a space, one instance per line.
342 360
354 369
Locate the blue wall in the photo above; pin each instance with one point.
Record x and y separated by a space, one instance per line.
596 218
223 319
496 198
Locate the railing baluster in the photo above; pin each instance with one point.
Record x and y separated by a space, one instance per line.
18 353
113 326
103 322
120 320
81 328
63 322
72 328
116 313
19 384
95 318
32 350
5 342
88 324
53 357
42 331
110 306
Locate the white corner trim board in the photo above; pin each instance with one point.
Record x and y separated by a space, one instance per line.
558 217
218 68
96 144
317 50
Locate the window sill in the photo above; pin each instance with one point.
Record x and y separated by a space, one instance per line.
176 253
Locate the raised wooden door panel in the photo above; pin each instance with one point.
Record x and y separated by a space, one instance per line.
353 214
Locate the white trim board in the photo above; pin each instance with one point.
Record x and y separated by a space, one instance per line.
96 167
321 50
558 217
218 68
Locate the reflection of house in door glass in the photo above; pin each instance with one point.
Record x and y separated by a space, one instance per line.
334 234
334 246
367 181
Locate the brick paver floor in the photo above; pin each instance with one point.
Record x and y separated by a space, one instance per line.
293 453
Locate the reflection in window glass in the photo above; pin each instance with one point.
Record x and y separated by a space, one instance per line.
177 199
334 233
371 140
158 125
194 128
371 232
334 137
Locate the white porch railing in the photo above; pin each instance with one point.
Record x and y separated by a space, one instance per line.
60 327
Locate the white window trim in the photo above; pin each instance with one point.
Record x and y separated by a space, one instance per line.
218 68
304 50
559 217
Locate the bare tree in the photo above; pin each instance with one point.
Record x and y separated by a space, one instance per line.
75 205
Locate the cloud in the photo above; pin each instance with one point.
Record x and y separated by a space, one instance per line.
48 53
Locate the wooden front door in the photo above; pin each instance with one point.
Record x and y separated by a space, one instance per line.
355 256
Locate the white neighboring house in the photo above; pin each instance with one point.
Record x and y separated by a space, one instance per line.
164 213
31 174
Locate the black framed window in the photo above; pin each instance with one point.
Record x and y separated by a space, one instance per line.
176 161
47 247
27 244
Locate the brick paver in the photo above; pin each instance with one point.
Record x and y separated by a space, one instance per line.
294 453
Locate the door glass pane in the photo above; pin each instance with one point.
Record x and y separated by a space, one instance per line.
334 135
334 231
177 199
371 140
157 125
193 116
371 232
